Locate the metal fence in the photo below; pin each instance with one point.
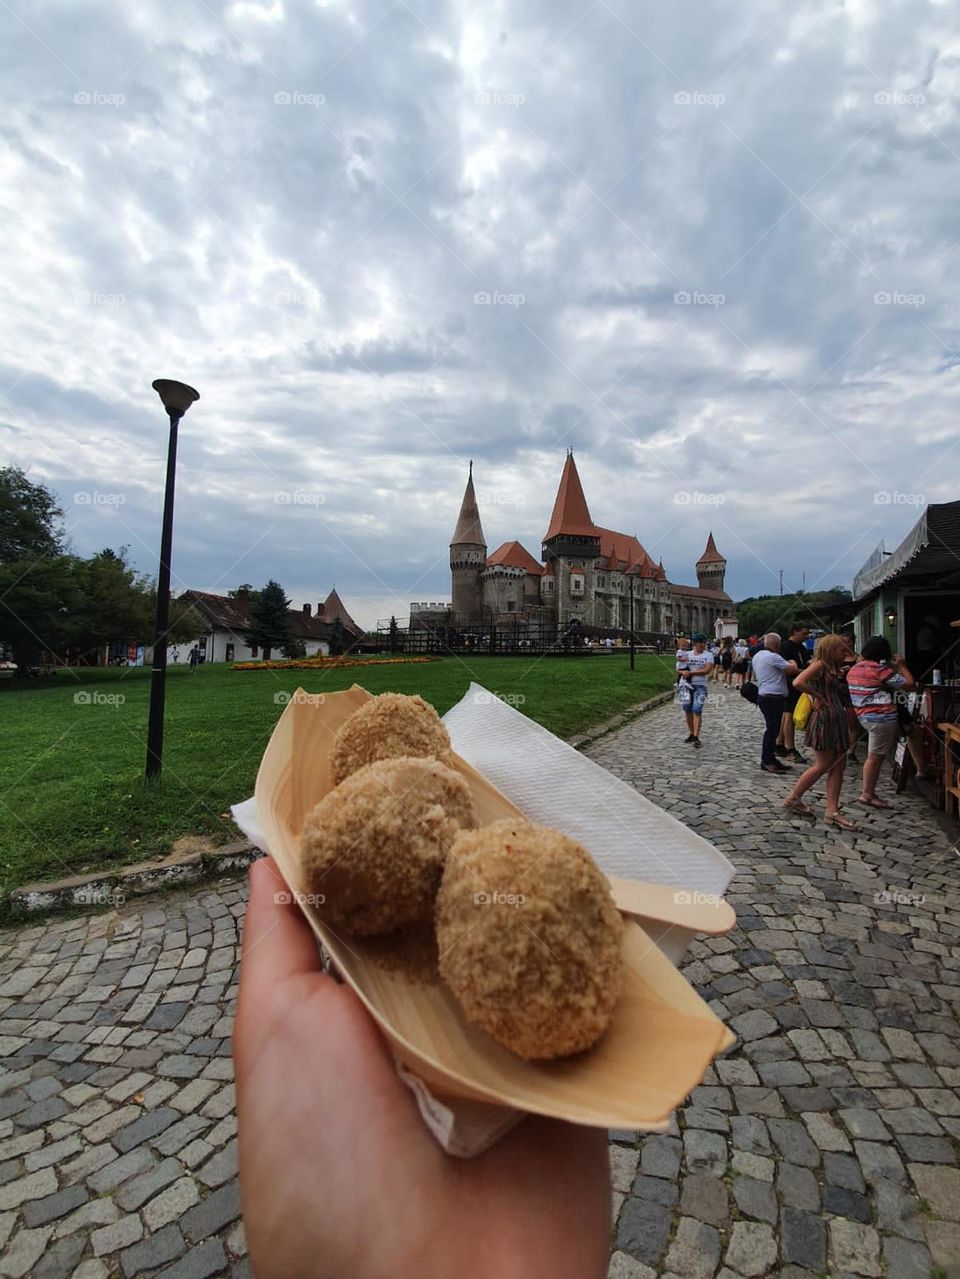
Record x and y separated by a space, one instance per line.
515 638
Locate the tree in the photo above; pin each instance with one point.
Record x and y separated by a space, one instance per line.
394 635
336 638
39 604
824 610
269 619
245 588
295 649
30 519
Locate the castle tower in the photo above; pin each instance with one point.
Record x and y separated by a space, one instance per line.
572 542
468 555
711 566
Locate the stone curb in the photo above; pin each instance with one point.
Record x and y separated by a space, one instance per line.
620 720
113 887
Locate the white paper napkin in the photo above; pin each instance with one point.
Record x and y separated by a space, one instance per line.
554 785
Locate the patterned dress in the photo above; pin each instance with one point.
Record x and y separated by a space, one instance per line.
828 728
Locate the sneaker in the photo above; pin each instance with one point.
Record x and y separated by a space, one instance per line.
796 757
780 750
688 740
697 741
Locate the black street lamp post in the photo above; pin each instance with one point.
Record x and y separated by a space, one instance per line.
176 398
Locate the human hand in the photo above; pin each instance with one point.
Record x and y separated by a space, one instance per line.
339 1177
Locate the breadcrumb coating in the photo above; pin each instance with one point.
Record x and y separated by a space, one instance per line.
374 847
390 725
529 938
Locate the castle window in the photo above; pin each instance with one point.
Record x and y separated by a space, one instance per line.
511 606
548 583
576 583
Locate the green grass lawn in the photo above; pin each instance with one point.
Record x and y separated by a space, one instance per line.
71 792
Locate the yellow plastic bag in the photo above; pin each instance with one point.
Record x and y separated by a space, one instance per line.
801 712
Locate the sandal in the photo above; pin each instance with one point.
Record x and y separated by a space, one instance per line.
799 807
837 819
873 802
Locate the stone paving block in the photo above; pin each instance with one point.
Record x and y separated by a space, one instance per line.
171 1204
121 1169
156 1250
40 1212
36 1185
752 1249
112 1238
199 1263
906 1260
943 1241
705 1198
855 1247
798 1187
803 1240
23 1252
660 1156
643 1230
59 1259
755 1199
222 1207
151 1124
940 1187
695 1250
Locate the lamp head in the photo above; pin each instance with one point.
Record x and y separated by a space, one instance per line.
176 396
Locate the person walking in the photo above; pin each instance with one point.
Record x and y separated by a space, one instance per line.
874 682
693 668
741 663
194 659
726 659
828 729
794 650
771 671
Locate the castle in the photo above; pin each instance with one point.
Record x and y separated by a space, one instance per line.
590 576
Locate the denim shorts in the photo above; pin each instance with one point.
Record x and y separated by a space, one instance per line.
692 698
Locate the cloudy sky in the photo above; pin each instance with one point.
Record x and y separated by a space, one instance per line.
713 247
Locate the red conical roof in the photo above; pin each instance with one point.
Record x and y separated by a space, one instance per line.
570 512
469 529
711 554
334 607
660 572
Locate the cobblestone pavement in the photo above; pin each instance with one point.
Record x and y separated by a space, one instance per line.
826 1143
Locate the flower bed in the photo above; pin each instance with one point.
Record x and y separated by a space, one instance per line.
327 663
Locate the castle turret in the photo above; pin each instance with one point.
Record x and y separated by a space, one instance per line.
573 542
468 554
711 566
